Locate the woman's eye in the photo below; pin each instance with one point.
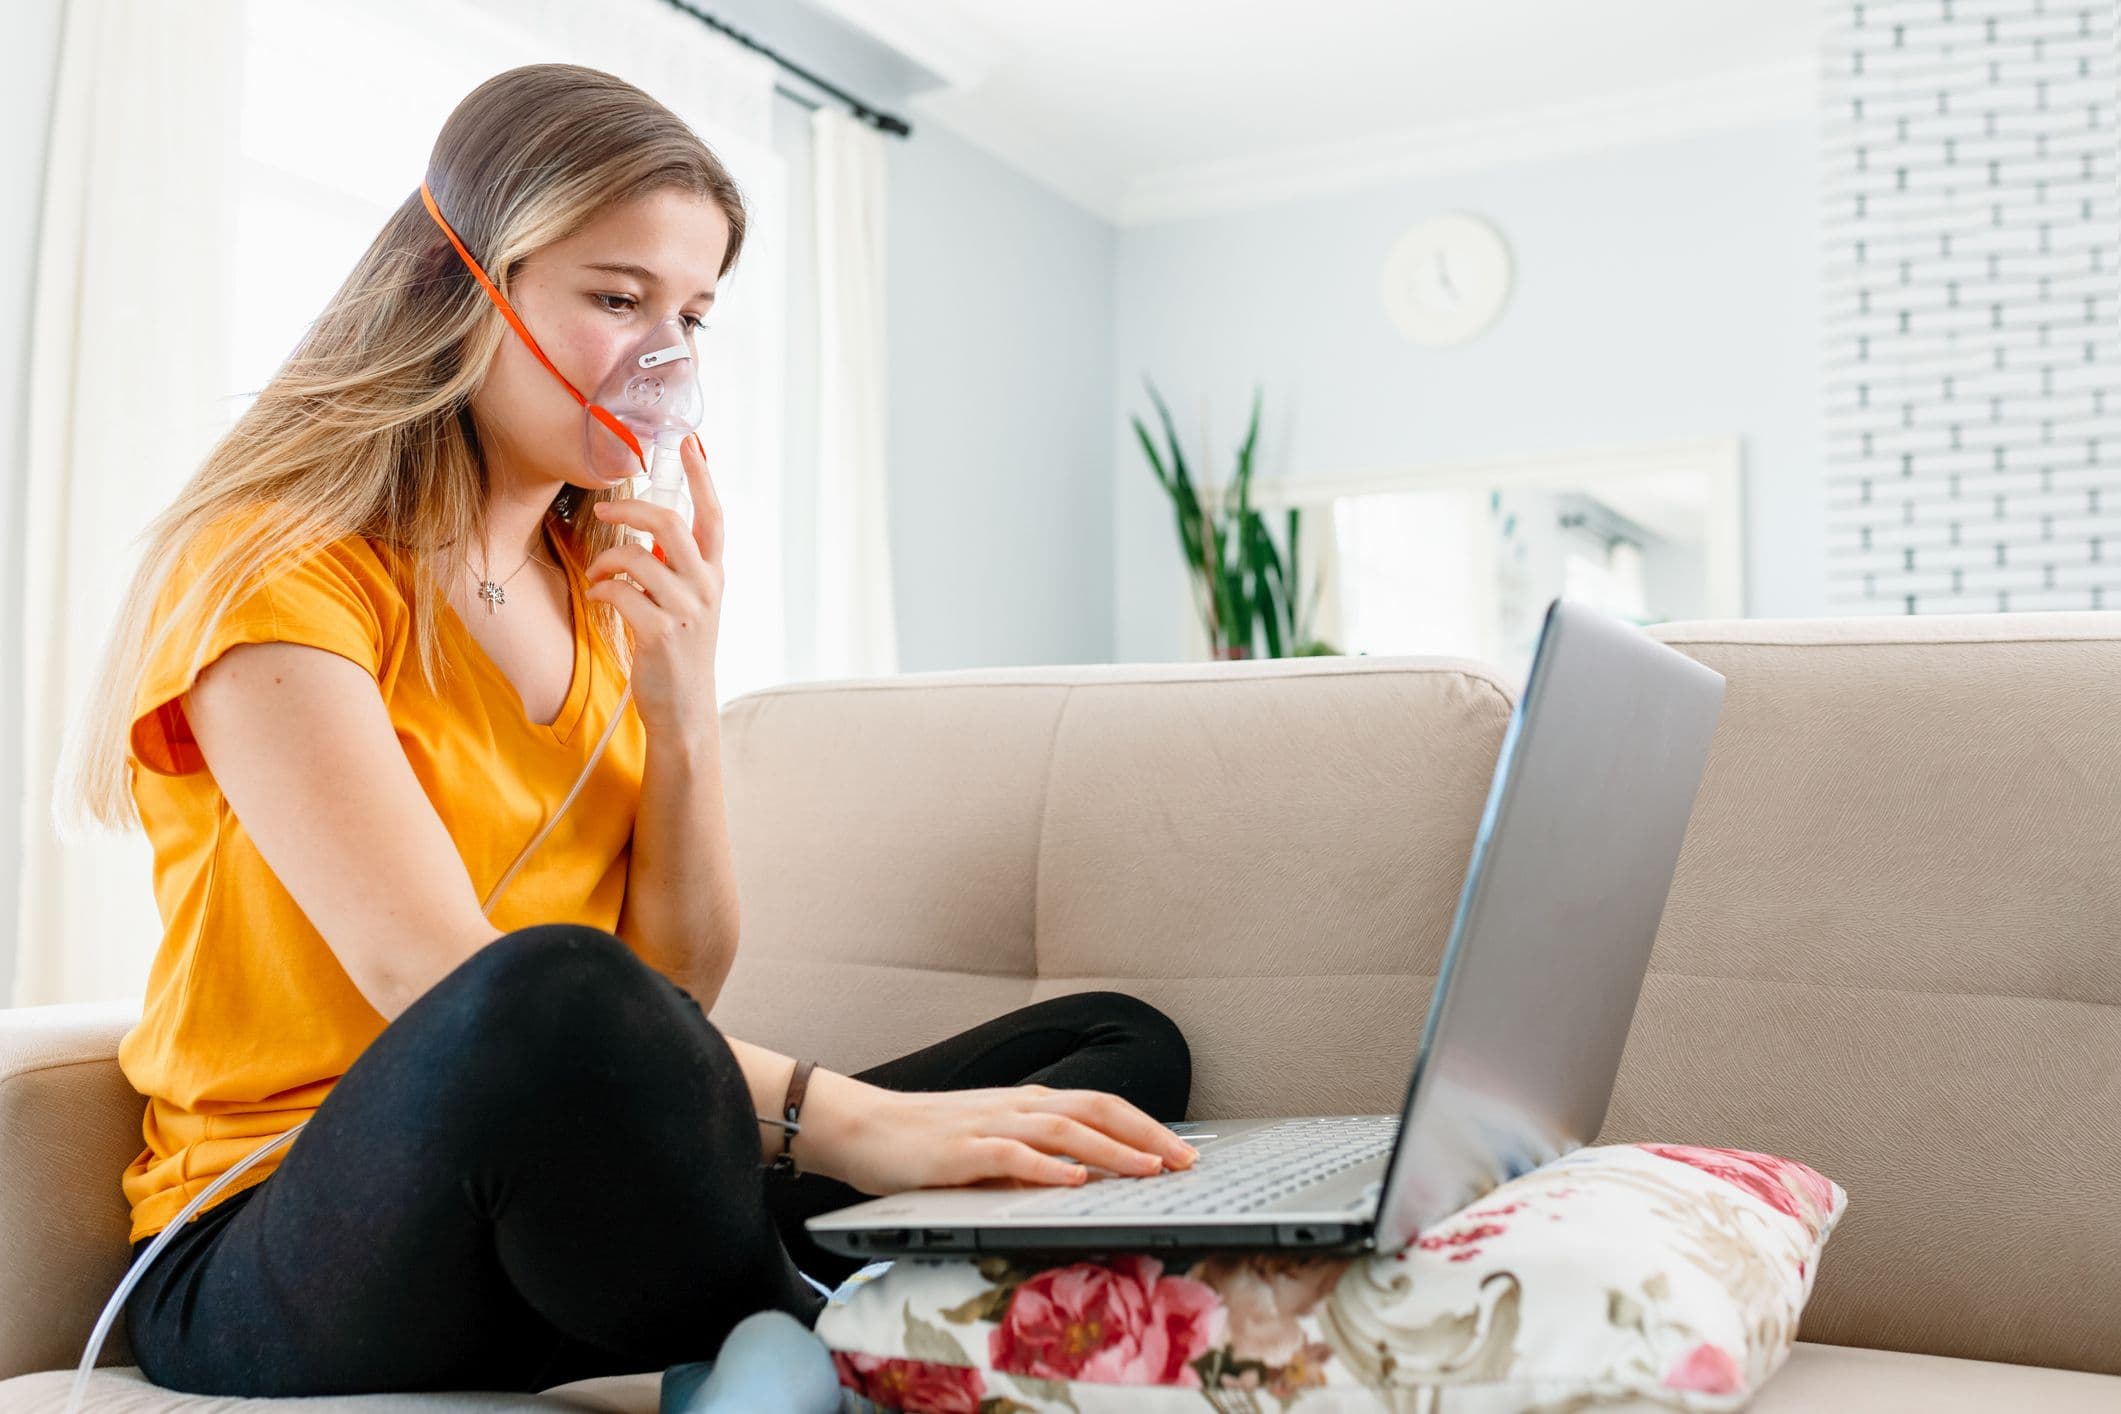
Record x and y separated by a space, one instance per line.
623 304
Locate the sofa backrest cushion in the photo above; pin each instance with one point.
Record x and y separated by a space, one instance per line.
1893 951
1270 852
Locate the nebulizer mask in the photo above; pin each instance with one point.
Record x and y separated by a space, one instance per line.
651 401
637 423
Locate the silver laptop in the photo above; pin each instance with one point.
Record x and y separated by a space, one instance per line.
1573 859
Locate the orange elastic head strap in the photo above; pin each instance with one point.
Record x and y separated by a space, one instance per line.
600 413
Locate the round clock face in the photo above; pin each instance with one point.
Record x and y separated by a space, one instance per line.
1447 279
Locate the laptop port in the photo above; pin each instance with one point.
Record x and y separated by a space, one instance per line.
1311 1234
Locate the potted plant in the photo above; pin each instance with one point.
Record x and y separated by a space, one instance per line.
1247 592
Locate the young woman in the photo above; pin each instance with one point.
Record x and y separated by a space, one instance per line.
371 648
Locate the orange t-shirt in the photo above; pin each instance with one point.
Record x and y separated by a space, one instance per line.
248 1018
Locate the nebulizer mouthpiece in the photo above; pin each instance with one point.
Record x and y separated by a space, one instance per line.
646 407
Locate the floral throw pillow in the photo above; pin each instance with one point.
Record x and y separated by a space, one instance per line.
1659 1276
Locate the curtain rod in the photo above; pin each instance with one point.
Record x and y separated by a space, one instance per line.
884 122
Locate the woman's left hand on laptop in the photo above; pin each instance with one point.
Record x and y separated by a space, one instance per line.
883 1141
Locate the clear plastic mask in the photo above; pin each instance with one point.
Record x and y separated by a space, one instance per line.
654 392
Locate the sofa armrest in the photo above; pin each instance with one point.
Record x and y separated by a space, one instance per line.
69 1124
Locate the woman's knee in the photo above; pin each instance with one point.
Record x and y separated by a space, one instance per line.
565 941
563 987
1166 1059
1134 1015
537 1041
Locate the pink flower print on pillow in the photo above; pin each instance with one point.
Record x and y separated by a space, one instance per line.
896 1383
1265 1297
1119 1321
1708 1369
1783 1184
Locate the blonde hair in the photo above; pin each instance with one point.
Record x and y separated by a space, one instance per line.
367 428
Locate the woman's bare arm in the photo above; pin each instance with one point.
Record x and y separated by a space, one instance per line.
301 743
681 911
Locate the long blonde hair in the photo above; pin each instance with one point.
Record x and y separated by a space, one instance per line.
367 428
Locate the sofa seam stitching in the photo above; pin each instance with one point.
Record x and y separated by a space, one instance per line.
62 1065
1045 796
1652 976
912 967
1504 698
1878 642
808 688
1885 987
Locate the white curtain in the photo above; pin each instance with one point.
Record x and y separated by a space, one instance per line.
855 614
126 356
721 89
211 181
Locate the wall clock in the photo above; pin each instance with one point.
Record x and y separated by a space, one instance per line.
1446 280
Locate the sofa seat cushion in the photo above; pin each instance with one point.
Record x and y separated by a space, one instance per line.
1818 1379
121 1389
1848 1379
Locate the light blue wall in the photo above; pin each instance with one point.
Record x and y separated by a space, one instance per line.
1664 291
1001 313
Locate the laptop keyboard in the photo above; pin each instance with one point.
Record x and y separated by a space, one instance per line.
1237 1177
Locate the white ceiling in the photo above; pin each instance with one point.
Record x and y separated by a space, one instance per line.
1147 110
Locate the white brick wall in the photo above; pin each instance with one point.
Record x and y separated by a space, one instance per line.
1973 305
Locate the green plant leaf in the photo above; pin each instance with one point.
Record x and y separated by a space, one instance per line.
1266 569
1186 508
1178 460
1230 612
1269 554
1298 629
1182 504
1251 591
1197 527
1156 463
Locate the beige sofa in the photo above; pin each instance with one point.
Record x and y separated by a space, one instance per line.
1892 950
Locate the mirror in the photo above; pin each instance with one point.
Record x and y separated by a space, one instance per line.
1462 560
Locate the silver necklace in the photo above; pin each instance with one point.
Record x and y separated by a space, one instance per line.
493 593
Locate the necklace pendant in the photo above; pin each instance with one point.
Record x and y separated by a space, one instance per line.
492 593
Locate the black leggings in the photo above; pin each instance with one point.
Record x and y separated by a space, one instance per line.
547 1168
